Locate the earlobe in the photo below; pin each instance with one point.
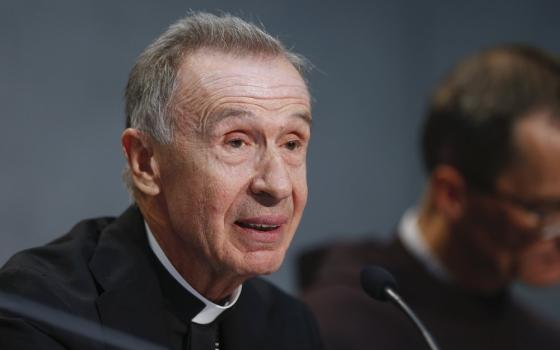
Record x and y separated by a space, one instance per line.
450 191
142 165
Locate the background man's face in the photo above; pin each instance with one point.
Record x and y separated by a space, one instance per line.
503 231
234 180
540 263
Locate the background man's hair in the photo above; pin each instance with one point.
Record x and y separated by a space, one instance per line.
152 80
473 111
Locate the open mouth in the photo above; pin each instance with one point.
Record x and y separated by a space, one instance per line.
258 227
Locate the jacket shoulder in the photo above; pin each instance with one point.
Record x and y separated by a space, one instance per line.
57 277
59 265
338 262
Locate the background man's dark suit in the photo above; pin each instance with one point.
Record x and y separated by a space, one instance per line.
104 271
457 320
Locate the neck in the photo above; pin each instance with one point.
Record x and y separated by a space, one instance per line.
434 230
453 244
214 284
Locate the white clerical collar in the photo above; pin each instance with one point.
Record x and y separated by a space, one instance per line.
412 239
211 311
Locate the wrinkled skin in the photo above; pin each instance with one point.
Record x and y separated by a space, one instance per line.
224 199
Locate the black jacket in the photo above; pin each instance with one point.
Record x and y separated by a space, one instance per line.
456 318
103 271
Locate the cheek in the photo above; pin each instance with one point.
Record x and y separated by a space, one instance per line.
226 186
188 188
299 183
525 229
486 226
501 229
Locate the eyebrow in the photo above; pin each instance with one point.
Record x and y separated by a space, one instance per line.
306 116
225 113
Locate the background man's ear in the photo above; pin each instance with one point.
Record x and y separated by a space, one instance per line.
449 191
138 150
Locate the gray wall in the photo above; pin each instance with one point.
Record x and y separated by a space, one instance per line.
63 66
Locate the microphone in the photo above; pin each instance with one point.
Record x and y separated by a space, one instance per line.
379 284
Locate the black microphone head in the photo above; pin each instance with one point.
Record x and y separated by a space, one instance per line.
375 280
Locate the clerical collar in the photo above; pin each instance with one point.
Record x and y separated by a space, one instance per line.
211 311
413 241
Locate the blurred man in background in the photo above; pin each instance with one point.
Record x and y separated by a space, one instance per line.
540 264
490 214
218 124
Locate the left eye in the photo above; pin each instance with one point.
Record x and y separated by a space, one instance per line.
292 145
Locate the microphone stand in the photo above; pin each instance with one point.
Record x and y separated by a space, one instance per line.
396 299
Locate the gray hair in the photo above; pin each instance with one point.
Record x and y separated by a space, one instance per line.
152 80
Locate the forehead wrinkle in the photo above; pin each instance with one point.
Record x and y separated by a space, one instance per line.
197 96
216 117
215 94
194 100
248 80
212 118
259 86
211 112
239 112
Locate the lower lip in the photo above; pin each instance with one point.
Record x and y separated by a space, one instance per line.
271 236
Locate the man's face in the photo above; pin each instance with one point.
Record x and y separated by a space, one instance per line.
233 182
500 228
540 263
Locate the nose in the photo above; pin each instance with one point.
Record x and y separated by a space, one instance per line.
272 183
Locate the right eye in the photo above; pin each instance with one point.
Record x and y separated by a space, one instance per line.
237 140
236 143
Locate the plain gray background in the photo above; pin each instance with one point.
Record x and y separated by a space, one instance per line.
64 65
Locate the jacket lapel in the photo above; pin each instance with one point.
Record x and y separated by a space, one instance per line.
130 297
245 325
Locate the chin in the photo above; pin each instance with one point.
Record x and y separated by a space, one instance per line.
491 286
261 263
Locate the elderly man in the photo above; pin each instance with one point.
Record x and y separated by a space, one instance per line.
218 124
489 215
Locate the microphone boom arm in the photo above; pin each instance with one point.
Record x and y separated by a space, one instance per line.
396 299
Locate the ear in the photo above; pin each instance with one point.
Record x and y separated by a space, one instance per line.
449 191
143 167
